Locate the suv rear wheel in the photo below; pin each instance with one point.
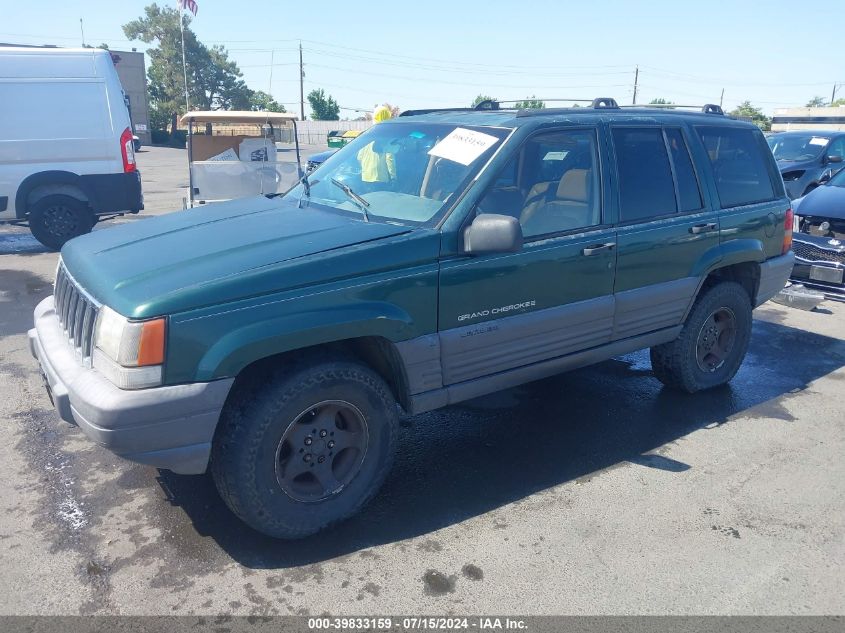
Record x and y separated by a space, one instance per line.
57 218
306 449
712 343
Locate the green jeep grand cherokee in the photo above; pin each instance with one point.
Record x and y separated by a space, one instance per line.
275 341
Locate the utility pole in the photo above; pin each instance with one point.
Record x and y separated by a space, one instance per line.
82 30
636 81
833 95
722 98
301 85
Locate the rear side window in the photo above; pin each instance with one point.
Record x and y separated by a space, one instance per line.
689 195
739 165
646 188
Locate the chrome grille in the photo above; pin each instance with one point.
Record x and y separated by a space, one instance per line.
813 253
77 312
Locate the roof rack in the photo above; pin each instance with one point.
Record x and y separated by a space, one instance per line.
489 105
599 103
707 108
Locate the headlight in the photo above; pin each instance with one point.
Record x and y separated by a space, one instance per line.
791 176
129 353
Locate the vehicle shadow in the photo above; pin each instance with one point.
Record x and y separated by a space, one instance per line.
472 459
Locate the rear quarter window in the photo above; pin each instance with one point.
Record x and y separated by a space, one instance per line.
740 164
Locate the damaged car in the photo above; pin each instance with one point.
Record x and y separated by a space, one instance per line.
807 160
819 237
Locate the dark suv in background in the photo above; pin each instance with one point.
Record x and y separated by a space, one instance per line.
440 256
807 159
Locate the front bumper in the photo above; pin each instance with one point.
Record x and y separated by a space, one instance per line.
820 275
168 427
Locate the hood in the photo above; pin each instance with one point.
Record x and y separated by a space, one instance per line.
209 254
826 201
322 156
792 165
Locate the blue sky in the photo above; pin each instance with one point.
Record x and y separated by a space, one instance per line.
434 53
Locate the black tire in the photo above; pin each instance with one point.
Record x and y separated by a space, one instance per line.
261 423
57 218
705 354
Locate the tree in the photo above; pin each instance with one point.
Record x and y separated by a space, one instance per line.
323 106
838 103
530 103
214 81
661 101
481 98
816 102
261 101
746 110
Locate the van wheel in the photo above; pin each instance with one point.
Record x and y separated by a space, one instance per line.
306 449
55 219
712 343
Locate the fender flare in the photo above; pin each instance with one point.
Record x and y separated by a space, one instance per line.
260 340
44 178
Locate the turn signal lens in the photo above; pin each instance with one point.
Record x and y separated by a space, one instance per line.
787 231
151 344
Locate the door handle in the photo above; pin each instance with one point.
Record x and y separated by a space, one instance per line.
598 248
703 228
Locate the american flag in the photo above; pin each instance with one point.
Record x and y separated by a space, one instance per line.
187 5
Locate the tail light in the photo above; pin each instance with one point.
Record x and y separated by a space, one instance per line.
127 151
787 231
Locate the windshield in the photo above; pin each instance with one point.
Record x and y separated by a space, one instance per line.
797 147
401 171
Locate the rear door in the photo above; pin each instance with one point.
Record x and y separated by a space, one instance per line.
748 189
667 229
502 311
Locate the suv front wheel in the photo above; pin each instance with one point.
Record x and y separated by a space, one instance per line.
306 449
712 343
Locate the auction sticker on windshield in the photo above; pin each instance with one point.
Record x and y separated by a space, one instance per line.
463 146
818 140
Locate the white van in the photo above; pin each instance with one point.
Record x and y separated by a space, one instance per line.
66 151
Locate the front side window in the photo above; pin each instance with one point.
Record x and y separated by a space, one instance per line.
399 171
551 185
646 188
739 165
837 148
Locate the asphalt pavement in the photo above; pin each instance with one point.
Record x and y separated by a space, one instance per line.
593 492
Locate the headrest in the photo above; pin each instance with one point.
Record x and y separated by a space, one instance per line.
573 185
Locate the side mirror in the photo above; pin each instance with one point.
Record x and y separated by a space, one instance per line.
493 233
834 159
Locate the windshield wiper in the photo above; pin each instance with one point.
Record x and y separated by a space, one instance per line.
363 204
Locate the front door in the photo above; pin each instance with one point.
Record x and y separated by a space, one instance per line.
502 311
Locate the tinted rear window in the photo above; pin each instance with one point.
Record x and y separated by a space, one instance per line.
739 165
646 188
